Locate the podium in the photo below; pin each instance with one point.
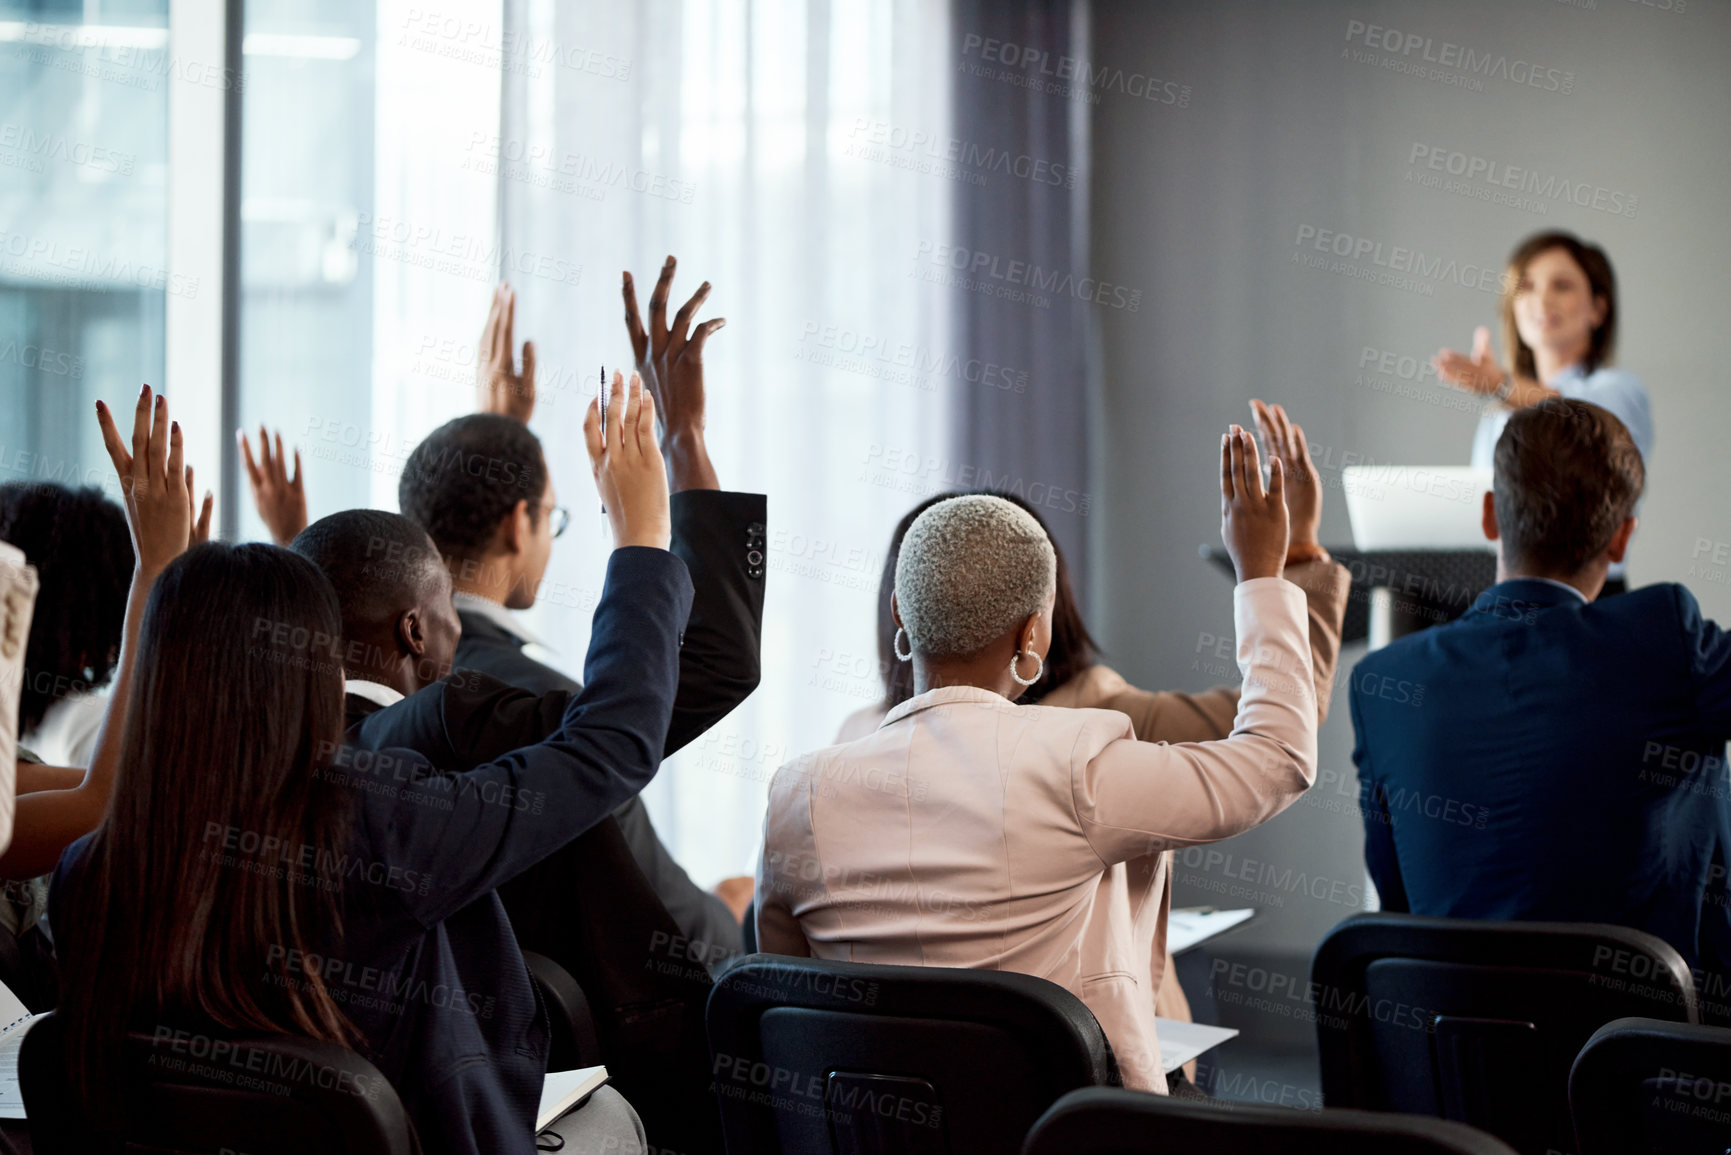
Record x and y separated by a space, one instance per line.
1401 591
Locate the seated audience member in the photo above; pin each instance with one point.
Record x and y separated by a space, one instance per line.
1033 838
74 645
1073 675
496 526
1549 756
234 730
18 588
588 906
76 539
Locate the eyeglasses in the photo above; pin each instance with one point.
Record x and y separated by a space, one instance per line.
558 517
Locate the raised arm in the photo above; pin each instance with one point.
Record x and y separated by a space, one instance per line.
670 360
466 834
1135 798
281 500
156 486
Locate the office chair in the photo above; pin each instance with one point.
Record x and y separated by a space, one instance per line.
573 1040
1479 1022
1645 1087
831 1058
193 1094
1101 1121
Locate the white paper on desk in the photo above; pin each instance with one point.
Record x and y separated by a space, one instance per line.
15 1019
1180 1041
563 1090
1191 926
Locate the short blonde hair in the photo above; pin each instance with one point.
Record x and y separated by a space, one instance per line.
972 569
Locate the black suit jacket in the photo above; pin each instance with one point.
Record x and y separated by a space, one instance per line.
428 967
720 537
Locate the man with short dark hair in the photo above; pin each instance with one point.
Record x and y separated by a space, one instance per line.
1548 756
479 486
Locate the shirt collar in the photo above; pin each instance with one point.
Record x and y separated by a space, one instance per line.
943 696
376 692
497 614
1559 585
1525 591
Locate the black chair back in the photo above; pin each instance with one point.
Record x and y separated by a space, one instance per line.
573 1041
1479 1022
832 1058
1113 1122
194 1094
1645 1087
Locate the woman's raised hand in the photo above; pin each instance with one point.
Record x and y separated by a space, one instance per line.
155 483
1479 372
1253 521
630 472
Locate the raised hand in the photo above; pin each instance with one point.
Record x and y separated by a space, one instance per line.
200 518
153 479
499 387
1480 372
629 470
670 361
1252 522
1287 445
281 500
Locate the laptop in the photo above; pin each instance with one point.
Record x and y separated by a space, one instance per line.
1417 506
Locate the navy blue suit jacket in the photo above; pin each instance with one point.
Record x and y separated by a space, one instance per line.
429 969
1545 758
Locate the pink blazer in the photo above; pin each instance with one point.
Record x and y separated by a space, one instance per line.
970 832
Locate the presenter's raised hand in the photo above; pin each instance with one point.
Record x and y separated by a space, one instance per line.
670 361
1478 372
1287 445
499 386
629 470
153 480
1252 521
281 500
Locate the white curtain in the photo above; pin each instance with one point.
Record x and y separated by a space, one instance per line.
737 136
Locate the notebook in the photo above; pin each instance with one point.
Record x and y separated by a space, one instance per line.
1188 926
563 1090
15 1019
1180 1042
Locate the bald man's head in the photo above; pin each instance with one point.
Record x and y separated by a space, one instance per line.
399 626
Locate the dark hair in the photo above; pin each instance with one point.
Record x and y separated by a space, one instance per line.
227 730
377 562
1600 279
78 541
460 482
1566 475
1073 648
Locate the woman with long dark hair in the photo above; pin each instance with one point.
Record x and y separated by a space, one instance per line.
253 876
1559 327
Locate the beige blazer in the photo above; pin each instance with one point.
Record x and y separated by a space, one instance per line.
968 831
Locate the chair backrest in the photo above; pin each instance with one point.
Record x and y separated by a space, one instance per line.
830 1058
1646 1087
1101 1121
198 1094
573 1040
1480 1021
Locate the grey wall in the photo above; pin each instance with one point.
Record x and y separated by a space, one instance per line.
1199 204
